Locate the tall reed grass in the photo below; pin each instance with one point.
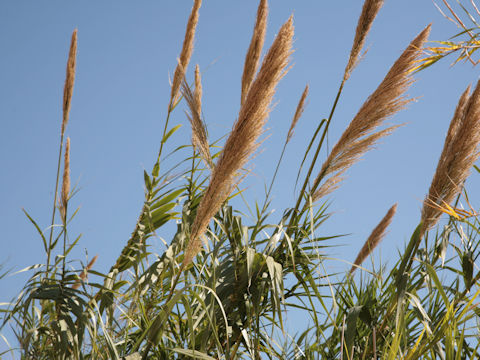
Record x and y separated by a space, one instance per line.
224 285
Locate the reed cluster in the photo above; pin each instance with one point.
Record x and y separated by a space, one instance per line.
243 139
233 300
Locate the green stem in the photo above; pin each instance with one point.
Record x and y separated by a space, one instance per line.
314 160
274 175
267 196
64 242
49 249
171 107
235 347
157 163
190 190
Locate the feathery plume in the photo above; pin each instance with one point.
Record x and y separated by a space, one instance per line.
199 131
332 184
66 180
298 113
69 80
457 117
350 157
459 153
83 275
198 89
388 99
255 49
374 239
369 12
186 52
242 142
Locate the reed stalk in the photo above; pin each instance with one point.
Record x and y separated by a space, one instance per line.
361 135
369 12
67 100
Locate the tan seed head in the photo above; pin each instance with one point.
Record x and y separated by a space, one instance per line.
186 53
69 80
255 49
374 239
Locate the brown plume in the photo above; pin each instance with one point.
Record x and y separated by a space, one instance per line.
360 136
459 153
69 80
374 239
298 113
66 181
369 12
255 49
186 52
199 131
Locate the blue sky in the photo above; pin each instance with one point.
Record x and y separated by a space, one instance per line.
126 51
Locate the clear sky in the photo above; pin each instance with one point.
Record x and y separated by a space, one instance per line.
126 51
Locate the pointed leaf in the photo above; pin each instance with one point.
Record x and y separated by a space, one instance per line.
351 330
170 132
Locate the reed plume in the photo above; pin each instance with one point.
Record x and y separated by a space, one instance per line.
69 80
186 52
255 49
83 275
374 239
360 136
198 89
369 12
298 113
460 151
242 142
199 131
66 181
